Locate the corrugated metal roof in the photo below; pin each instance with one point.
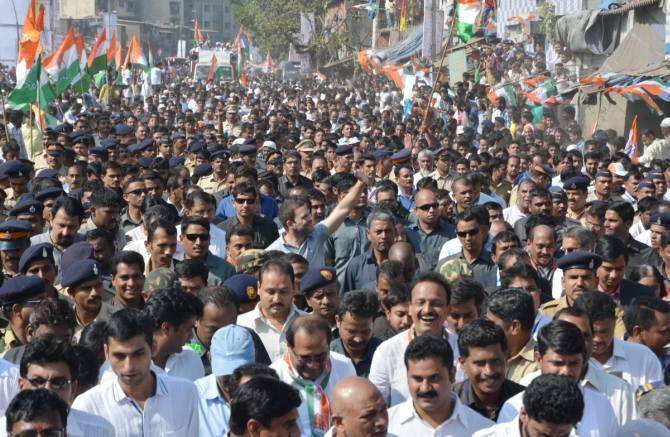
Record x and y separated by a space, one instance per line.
628 6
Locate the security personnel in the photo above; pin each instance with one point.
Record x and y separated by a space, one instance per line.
216 181
576 189
320 289
29 209
231 126
83 283
579 276
14 240
18 295
38 260
53 159
245 287
19 175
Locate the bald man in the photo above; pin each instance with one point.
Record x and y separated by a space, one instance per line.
358 409
403 252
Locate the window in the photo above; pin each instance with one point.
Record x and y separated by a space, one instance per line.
174 8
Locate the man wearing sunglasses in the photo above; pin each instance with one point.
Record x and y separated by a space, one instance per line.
50 362
429 233
105 214
195 238
134 193
18 296
245 202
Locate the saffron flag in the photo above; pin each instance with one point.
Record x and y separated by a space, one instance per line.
62 66
631 149
197 35
135 55
111 53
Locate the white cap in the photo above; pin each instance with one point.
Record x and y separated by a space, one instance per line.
238 141
617 168
270 145
460 130
665 122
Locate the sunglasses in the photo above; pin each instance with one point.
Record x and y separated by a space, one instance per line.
471 233
194 237
428 206
247 201
138 192
57 383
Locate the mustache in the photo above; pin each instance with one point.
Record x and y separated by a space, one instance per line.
492 378
427 394
422 314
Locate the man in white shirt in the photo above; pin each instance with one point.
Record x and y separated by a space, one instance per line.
428 306
519 210
9 383
50 362
275 310
433 409
140 401
358 409
311 368
561 350
174 313
634 363
552 405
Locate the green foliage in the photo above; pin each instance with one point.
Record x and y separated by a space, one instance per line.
273 24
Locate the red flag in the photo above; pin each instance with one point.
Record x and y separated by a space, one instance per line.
197 36
631 149
212 68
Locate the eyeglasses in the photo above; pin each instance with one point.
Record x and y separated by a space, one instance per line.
319 358
57 383
194 237
471 233
48 432
428 206
138 192
247 201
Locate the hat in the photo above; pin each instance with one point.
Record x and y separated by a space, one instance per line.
579 260
617 168
196 147
270 145
603 173
661 218
317 277
47 173
381 154
646 183
221 153
79 272
14 234
250 260
600 137
460 130
305 146
248 149
48 193
245 287
579 182
107 144
133 149
544 169
55 149
202 170
35 253
14 168
344 150
455 269
20 289
231 109
665 122
238 142
176 161
161 277
557 193
232 346
81 250
27 204
401 156
145 162
657 175
122 130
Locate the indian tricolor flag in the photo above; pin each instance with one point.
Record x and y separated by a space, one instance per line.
29 43
656 88
467 12
97 59
214 70
81 82
35 88
62 66
135 55
541 94
111 53
504 91
631 149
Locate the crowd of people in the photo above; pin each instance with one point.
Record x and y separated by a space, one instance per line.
312 260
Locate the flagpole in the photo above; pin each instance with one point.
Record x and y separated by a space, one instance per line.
4 114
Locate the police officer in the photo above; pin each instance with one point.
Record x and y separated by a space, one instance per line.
18 295
14 240
38 260
29 209
320 289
